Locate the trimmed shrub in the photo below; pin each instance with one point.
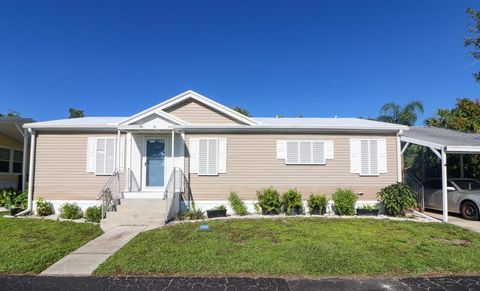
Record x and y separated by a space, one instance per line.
9 198
93 214
237 204
195 214
269 201
292 201
344 200
44 208
317 204
397 198
71 211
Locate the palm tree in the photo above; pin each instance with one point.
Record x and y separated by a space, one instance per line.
407 115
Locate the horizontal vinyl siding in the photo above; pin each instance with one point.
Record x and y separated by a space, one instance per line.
60 168
194 112
252 165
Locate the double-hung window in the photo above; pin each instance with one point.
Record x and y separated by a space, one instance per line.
11 161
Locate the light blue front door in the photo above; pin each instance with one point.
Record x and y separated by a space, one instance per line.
155 164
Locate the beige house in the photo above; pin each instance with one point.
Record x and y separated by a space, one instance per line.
12 137
216 149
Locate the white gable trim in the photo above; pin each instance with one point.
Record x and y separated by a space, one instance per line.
193 95
169 117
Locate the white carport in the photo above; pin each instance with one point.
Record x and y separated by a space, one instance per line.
442 142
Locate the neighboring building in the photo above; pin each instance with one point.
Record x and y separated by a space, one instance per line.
11 151
218 149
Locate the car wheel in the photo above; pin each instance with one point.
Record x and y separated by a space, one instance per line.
469 210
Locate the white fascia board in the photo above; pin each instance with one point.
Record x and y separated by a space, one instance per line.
158 112
463 149
267 128
421 142
194 95
60 126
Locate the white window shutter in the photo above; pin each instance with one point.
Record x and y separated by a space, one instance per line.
355 155
110 156
222 155
281 149
382 156
121 163
193 150
212 157
100 156
91 155
292 152
329 149
318 152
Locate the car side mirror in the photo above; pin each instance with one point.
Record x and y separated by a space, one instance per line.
451 188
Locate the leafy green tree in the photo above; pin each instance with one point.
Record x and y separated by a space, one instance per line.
473 40
242 111
76 113
465 116
11 114
394 113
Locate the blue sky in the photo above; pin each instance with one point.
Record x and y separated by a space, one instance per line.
316 58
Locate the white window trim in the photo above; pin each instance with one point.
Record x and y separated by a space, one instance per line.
381 157
370 173
11 161
283 155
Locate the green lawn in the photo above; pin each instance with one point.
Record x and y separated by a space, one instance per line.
313 247
31 245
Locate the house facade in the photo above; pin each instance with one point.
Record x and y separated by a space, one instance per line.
217 149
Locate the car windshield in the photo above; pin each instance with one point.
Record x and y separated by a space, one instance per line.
468 184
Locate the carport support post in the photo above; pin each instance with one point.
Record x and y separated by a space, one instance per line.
444 186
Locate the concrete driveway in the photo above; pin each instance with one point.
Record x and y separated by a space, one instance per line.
455 219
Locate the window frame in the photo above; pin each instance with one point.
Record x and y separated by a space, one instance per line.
312 159
105 138
370 173
11 161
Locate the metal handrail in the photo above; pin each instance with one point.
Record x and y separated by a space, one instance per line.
106 194
417 187
176 187
133 184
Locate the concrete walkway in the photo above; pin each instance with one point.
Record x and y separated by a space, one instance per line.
83 261
457 220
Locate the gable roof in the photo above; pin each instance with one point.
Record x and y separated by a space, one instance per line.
191 95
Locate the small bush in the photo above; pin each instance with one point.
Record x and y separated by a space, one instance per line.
344 200
93 214
292 199
44 208
7 197
70 211
192 214
269 201
397 198
219 207
237 204
317 204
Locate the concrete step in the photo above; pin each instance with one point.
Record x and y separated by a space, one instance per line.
149 212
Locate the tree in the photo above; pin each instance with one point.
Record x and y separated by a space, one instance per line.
11 114
464 117
406 115
473 40
241 111
76 113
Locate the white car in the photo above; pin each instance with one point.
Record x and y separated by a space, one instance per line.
463 196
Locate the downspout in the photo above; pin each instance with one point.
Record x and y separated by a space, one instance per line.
25 158
31 172
399 157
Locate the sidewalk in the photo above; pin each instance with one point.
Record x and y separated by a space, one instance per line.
19 283
83 261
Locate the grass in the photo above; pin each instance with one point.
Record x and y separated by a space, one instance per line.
31 245
315 247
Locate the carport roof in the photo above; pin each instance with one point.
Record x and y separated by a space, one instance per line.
451 141
12 127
